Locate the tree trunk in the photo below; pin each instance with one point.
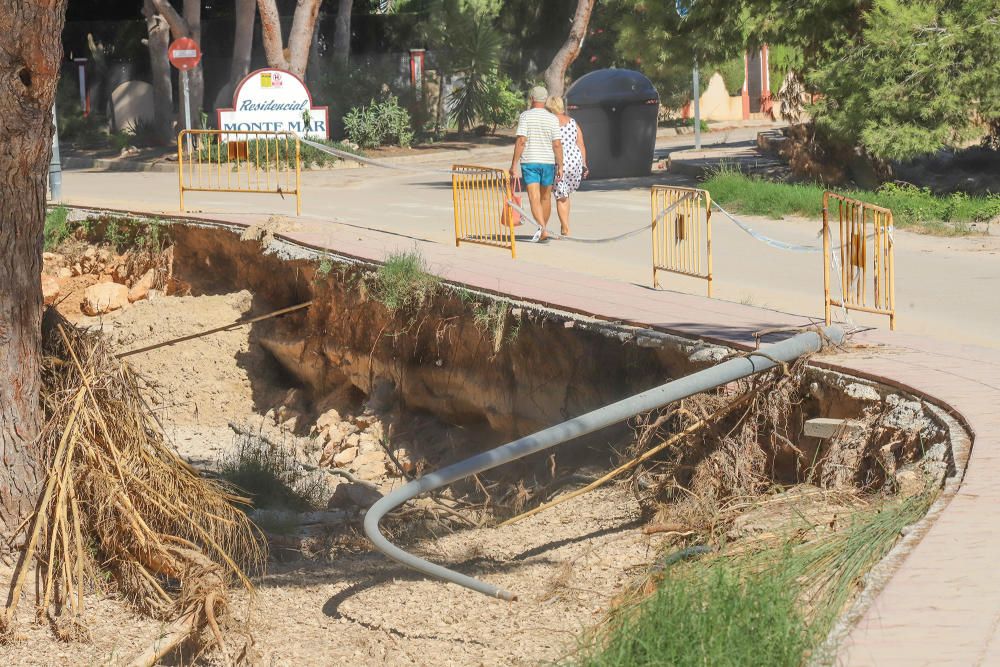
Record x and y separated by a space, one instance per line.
342 34
555 74
301 36
30 54
246 14
270 28
163 92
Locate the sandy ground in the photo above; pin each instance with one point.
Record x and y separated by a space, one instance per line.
353 606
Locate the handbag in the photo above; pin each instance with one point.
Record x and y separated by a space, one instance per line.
511 216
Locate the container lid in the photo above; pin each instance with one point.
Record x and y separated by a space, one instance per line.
610 87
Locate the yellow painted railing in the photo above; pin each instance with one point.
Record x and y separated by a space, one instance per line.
239 161
864 257
682 232
482 214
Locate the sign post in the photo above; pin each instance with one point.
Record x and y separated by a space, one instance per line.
184 54
683 9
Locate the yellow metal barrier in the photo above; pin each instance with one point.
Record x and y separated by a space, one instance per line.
865 235
482 214
240 161
682 232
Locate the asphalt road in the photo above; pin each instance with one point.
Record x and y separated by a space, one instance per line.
945 287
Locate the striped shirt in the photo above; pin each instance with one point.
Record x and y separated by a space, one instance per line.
541 128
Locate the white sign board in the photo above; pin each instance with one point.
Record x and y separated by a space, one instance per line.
273 100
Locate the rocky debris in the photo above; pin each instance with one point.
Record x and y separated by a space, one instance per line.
50 289
404 459
140 289
104 298
353 494
369 465
346 456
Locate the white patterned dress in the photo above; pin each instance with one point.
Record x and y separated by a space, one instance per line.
572 161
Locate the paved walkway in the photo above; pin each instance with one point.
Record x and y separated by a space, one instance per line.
942 606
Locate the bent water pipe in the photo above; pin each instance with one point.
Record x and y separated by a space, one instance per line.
767 357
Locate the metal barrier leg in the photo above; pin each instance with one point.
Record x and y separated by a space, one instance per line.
180 169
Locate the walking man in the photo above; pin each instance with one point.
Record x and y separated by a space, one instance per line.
538 157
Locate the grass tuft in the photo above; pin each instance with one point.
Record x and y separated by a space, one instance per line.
270 476
721 618
911 206
403 282
769 603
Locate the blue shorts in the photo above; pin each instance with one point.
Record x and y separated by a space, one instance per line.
538 172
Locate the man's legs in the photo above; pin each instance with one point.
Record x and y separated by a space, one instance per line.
541 204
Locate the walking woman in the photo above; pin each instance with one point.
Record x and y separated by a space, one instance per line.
574 160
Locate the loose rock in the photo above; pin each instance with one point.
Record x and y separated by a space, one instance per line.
104 298
140 290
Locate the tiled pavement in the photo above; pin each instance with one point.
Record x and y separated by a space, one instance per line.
942 606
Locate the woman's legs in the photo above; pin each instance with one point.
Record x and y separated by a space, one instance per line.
562 208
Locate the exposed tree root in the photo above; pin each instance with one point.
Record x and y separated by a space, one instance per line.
118 500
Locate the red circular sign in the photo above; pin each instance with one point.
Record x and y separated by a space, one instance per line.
184 53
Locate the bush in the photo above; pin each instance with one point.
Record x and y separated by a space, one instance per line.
379 124
501 104
57 227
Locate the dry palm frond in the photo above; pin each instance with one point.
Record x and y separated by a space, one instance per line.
118 500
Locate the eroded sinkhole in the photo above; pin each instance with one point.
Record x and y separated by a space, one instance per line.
390 374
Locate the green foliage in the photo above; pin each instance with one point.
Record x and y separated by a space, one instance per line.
403 283
57 227
901 79
379 124
475 54
918 76
74 127
324 268
683 122
720 619
502 103
733 73
271 477
774 606
260 153
910 206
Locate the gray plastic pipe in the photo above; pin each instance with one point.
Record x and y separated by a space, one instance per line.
728 371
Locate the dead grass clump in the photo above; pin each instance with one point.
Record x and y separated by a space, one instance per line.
735 436
118 501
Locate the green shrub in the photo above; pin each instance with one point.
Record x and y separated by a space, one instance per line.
379 124
57 227
502 104
403 283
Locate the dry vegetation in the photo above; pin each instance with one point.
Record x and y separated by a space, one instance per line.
119 503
